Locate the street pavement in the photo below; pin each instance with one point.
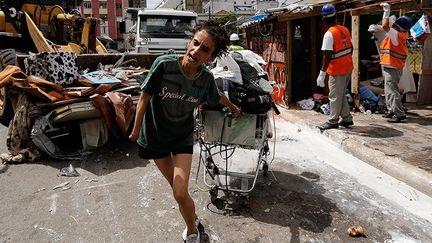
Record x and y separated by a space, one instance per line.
402 150
313 193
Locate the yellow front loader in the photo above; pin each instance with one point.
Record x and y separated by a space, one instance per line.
43 26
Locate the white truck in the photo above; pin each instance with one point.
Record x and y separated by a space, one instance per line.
162 29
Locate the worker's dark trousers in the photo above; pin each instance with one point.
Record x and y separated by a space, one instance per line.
339 106
391 90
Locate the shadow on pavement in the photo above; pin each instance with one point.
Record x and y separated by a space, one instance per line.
374 131
424 121
293 201
113 156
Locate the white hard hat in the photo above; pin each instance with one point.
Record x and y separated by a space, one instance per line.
234 37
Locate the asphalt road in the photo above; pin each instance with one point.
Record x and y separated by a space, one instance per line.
314 193
3 135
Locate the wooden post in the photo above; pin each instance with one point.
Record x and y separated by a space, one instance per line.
355 29
313 52
288 62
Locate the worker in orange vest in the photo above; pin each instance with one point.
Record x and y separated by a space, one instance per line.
337 63
393 54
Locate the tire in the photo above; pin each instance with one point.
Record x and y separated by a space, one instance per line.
213 195
7 57
265 169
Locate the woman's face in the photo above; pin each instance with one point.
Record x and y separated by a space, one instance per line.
200 49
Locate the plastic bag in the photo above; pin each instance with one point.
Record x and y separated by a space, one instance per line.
421 29
229 64
69 171
306 104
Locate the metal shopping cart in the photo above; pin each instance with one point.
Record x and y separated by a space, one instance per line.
232 153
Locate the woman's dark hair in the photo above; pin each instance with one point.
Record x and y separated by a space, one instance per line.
219 34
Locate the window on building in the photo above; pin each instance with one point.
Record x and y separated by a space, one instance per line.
119 6
102 5
103 17
87 4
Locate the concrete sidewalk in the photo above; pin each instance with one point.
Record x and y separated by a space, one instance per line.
402 150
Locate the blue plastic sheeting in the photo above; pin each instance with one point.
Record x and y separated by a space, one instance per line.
259 17
367 94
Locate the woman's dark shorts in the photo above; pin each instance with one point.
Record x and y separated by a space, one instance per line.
146 153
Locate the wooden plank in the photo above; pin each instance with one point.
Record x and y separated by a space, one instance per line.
288 61
313 48
291 16
38 39
355 29
377 9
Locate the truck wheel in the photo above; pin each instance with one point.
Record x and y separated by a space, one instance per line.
7 57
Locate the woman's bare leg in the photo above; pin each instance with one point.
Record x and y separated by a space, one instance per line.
177 170
182 168
166 167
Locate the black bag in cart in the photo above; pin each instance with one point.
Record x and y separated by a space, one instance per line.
255 101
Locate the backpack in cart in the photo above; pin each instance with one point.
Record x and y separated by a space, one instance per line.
252 98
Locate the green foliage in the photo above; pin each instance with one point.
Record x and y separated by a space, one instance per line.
229 21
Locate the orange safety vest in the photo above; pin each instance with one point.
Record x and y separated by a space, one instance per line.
341 60
392 55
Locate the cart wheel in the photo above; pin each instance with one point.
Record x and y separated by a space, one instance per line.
265 169
244 201
213 195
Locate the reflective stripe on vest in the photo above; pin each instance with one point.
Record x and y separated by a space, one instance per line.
342 53
341 60
391 55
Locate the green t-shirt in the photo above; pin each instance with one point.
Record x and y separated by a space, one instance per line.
168 122
235 48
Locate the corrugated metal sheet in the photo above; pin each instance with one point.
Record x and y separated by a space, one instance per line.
312 2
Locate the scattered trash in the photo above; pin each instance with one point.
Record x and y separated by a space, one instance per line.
74 219
306 104
91 180
356 231
267 210
3 167
40 189
366 112
334 229
66 188
69 171
61 185
325 108
127 155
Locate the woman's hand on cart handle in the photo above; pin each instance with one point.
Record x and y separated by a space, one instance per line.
235 110
134 136
227 103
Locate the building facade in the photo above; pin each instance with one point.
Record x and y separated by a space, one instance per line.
110 12
212 7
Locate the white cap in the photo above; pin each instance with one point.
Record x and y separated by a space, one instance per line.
234 37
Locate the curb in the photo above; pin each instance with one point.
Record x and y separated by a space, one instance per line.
393 166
